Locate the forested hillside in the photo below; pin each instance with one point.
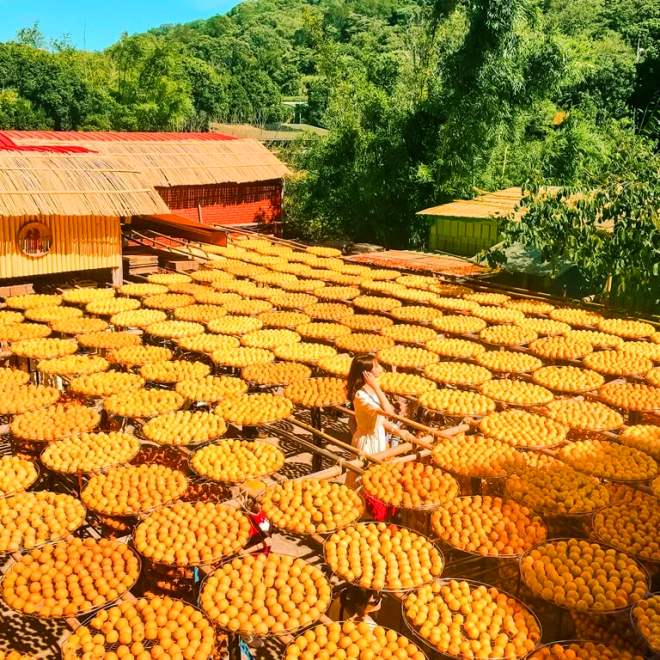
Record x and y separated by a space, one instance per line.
426 100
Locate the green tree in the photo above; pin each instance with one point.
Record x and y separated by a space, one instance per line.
150 84
608 229
208 88
492 81
17 113
638 24
602 76
421 123
31 36
50 85
318 97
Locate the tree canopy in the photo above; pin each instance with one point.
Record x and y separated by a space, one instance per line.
461 97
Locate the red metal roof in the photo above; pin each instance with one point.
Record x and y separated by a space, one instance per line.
7 144
74 136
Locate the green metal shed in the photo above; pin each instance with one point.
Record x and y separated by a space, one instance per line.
467 226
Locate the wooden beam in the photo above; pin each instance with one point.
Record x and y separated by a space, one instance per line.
178 226
334 441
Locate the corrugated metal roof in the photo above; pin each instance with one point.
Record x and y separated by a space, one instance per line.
498 203
7 144
89 136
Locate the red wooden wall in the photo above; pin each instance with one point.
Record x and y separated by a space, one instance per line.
227 203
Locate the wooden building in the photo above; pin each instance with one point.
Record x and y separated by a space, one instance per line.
61 212
209 177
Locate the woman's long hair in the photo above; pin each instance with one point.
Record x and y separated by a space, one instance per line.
361 365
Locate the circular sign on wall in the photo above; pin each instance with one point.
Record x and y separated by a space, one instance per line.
35 239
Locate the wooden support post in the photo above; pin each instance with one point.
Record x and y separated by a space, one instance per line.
408 458
316 423
118 276
329 473
402 448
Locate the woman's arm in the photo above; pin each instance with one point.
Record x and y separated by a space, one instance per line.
371 380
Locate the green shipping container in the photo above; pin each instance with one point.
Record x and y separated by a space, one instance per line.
462 236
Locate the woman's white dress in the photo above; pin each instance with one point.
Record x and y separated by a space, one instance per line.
370 435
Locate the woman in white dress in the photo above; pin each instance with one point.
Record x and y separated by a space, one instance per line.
372 429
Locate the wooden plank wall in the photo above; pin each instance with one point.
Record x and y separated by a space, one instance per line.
79 243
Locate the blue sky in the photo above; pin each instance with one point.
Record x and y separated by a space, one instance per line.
100 22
